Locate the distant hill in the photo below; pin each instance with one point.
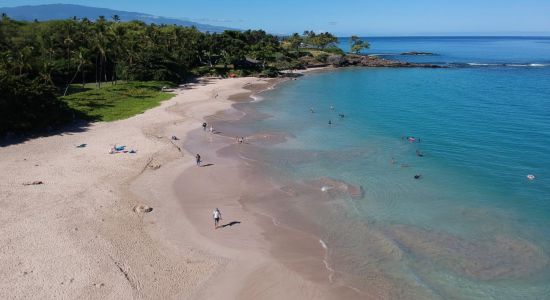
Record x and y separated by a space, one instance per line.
66 11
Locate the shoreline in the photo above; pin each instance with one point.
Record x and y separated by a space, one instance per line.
293 250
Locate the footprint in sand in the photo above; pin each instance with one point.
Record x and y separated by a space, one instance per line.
142 209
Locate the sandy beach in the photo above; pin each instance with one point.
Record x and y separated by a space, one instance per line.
100 225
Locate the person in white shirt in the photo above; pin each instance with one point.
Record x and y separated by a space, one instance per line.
217 217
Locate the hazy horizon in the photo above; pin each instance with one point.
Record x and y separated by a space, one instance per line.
365 18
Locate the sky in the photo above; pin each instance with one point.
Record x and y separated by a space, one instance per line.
360 17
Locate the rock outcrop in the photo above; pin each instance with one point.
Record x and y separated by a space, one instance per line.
337 60
377 62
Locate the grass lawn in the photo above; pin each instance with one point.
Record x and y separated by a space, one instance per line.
115 102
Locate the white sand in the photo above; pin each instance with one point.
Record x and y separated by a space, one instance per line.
77 235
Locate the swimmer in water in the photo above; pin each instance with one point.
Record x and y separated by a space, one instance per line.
419 154
311 110
331 107
342 116
417 176
329 122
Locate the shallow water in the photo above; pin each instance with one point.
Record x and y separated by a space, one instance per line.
473 225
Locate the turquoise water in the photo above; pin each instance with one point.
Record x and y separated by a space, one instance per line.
473 226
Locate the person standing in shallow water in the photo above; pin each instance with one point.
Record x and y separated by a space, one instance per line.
198 158
217 215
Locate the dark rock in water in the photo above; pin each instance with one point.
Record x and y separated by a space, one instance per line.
377 62
417 53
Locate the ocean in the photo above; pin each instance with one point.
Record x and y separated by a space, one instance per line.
472 225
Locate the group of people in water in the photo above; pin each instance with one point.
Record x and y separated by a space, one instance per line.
410 139
311 110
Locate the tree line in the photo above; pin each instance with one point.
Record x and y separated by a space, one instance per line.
40 61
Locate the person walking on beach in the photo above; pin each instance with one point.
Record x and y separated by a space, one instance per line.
204 126
217 215
198 158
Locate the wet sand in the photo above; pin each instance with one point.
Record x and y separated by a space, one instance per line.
270 244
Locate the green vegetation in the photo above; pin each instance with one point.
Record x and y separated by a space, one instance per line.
40 62
357 44
115 102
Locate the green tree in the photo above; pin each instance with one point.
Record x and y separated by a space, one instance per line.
356 44
295 41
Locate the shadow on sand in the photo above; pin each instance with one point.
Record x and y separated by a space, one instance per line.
230 224
75 127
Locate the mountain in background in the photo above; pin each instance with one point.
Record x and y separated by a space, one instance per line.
67 11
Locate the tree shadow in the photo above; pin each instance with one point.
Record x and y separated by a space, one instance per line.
230 224
80 125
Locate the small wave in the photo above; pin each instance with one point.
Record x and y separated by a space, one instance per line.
511 65
325 261
482 64
256 98
525 65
